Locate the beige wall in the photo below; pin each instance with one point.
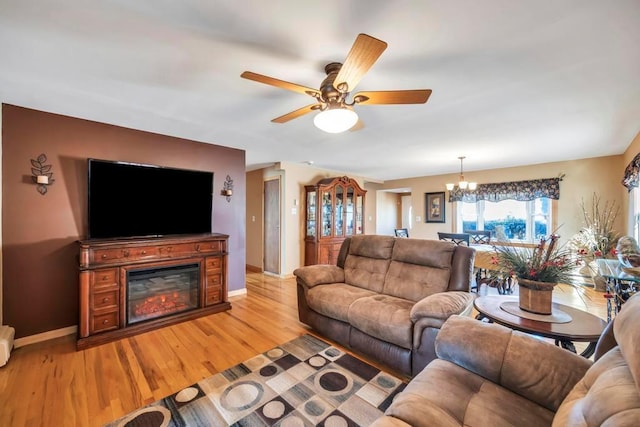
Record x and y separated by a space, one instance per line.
388 212
582 178
370 204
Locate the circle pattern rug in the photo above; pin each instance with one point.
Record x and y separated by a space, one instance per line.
305 382
556 316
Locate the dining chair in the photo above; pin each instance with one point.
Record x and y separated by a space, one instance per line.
402 232
479 237
457 238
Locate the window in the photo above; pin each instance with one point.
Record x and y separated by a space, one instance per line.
511 219
635 212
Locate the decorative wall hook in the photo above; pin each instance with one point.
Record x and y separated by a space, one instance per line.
42 175
227 189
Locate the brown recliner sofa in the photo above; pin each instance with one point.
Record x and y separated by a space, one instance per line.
489 375
387 297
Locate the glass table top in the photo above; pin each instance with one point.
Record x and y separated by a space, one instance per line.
611 268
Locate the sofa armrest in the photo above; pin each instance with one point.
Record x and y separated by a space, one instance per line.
530 367
442 305
312 275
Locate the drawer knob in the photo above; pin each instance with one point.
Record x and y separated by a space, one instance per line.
104 256
198 248
105 277
105 322
144 252
105 300
126 253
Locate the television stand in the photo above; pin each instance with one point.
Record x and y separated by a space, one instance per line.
182 278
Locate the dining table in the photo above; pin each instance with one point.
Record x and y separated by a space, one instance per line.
486 269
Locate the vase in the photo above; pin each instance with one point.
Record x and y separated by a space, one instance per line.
534 296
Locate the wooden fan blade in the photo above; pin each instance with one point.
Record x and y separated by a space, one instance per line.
279 83
297 113
419 96
363 54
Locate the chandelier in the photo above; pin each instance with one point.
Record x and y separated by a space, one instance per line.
462 184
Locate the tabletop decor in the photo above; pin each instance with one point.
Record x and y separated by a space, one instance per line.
596 239
538 270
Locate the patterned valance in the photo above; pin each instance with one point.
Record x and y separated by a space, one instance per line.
630 179
516 190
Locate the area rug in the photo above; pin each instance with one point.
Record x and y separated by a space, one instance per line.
305 382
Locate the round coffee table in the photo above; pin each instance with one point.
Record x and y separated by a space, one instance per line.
583 326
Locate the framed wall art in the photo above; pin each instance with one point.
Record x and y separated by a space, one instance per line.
434 207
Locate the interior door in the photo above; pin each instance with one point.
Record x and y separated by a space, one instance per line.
272 226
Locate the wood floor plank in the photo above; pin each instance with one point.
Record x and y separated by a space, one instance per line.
52 384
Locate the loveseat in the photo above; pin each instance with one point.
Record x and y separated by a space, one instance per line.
387 297
489 375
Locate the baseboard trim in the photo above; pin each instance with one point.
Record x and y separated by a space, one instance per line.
238 292
253 268
49 335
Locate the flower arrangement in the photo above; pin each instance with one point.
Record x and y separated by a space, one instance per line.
597 238
544 263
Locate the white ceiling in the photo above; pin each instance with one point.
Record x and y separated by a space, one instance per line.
514 82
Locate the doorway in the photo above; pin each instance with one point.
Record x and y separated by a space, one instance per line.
271 262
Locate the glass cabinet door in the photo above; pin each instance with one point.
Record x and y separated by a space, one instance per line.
359 214
326 213
311 213
349 211
339 212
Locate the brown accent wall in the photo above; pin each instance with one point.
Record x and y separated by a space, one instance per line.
39 271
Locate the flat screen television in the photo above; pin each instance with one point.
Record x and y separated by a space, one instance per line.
128 200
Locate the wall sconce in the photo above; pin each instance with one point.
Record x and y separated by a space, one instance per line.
227 188
42 175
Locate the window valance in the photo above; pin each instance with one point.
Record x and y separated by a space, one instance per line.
515 190
630 179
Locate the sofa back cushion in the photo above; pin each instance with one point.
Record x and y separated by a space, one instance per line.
419 268
609 393
367 261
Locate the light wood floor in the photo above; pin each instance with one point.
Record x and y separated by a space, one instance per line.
52 384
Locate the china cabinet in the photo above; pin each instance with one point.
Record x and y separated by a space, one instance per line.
334 211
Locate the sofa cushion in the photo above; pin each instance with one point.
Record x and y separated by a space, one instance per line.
609 392
372 246
366 273
367 261
384 317
419 268
445 394
607 395
334 300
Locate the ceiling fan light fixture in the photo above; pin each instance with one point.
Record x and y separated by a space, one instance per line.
336 119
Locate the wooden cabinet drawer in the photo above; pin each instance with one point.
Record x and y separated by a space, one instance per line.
209 246
214 280
214 295
105 256
213 263
106 278
104 322
104 300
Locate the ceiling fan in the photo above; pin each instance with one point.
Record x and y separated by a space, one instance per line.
336 111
